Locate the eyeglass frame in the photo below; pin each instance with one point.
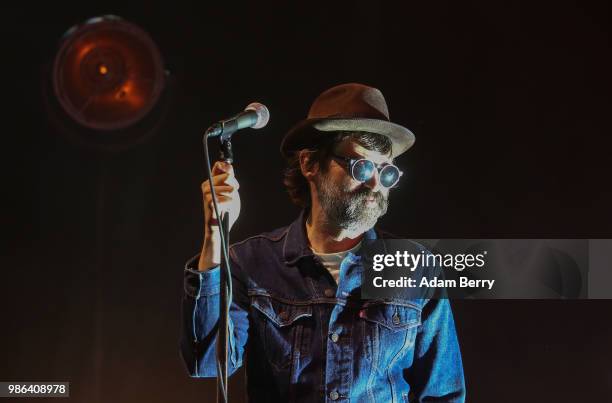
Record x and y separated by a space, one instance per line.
379 167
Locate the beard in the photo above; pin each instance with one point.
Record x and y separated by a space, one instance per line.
350 210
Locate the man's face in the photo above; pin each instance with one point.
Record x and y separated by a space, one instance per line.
348 203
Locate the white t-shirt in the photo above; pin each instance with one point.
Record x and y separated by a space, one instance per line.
331 261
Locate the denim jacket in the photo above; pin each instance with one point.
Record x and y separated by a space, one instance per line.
307 339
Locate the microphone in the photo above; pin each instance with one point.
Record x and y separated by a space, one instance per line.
255 115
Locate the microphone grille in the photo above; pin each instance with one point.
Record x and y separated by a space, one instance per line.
263 115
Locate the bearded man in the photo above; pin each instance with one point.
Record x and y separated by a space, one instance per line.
297 319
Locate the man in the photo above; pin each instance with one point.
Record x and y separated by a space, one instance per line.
297 310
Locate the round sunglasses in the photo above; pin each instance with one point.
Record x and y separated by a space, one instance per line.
362 170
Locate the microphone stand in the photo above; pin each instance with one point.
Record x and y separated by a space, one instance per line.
255 115
226 155
225 294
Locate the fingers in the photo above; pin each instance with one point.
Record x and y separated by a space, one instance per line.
226 191
221 183
219 189
221 199
222 167
226 179
223 175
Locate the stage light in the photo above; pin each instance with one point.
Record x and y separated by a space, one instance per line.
108 73
107 78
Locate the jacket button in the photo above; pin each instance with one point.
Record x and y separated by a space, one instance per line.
396 319
334 395
334 337
329 292
283 315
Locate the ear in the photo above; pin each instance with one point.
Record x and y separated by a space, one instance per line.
308 168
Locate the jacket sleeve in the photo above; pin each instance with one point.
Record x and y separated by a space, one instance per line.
436 374
200 320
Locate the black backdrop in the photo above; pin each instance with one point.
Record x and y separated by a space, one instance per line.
509 102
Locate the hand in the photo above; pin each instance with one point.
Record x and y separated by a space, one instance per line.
228 200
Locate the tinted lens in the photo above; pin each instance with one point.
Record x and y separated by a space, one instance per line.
363 170
389 176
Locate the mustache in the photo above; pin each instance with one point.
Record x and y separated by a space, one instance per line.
365 193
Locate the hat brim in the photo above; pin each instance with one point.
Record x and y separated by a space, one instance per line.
300 137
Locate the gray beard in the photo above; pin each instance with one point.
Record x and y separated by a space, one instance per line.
350 210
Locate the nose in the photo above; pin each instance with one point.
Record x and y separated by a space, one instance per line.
374 182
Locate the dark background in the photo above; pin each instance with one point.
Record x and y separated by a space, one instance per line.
510 104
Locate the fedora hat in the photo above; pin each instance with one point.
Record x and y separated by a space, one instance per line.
347 107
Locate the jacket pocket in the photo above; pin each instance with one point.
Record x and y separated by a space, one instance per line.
391 316
285 329
389 330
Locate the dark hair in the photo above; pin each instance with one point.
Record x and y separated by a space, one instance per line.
296 183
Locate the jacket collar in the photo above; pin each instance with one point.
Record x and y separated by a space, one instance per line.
296 244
